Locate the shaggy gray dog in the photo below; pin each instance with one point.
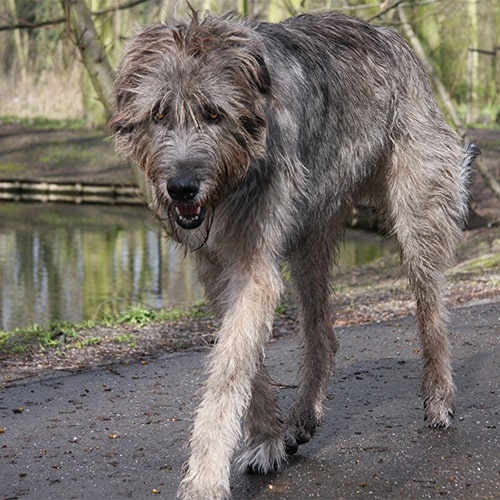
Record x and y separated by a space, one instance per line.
257 139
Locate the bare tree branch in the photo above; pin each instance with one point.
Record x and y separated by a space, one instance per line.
21 24
385 11
25 25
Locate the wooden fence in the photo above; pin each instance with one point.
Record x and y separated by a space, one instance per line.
74 192
114 194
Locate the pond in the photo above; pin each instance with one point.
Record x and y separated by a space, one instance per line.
78 262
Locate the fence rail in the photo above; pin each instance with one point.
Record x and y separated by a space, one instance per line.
114 194
69 192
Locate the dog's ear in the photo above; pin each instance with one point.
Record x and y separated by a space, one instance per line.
253 69
116 122
263 78
120 121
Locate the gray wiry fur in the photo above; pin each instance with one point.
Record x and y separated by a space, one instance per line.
257 139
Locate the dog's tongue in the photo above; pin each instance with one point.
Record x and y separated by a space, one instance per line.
187 209
189 215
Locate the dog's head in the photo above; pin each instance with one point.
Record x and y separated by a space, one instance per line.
190 109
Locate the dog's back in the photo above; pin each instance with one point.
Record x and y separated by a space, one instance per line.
257 139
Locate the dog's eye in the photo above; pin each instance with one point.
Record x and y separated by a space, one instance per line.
212 116
158 116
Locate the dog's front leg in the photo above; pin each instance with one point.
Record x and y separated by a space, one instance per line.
250 299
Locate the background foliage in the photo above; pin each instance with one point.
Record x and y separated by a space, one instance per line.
41 73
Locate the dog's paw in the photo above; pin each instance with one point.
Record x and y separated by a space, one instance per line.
439 411
262 457
196 490
439 415
299 431
203 483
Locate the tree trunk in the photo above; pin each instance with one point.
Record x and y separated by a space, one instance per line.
488 177
438 85
473 64
20 43
91 49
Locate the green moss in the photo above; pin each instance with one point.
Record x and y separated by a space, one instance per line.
485 262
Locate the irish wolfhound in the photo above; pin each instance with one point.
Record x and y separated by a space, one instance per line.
257 139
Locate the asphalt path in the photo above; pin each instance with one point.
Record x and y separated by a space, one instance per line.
119 432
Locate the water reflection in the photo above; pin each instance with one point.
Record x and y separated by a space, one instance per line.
74 262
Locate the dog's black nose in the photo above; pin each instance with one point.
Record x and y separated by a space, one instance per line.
183 188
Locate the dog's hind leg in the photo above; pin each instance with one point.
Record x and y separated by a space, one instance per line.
427 203
263 446
311 270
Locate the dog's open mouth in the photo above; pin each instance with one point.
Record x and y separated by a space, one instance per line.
189 215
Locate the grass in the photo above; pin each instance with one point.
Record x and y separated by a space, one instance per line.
140 315
21 340
52 94
59 334
40 122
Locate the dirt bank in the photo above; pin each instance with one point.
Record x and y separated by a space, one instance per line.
59 155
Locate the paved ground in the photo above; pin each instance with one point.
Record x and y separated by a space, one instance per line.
119 432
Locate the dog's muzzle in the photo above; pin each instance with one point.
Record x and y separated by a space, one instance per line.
186 212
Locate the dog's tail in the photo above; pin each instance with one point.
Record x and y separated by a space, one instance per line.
469 153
